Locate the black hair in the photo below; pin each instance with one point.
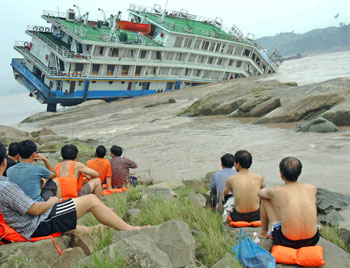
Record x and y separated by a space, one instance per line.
2 153
290 168
26 148
13 149
101 151
244 158
69 152
227 160
116 150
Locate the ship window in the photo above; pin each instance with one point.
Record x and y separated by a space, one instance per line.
169 85
197 73
158 55
197 44
178 41
115 52
230 63
253 56
164 71
125 70
101 51
238 51
175 71
212 46
51 84
246 52
201 59
205 45
206 74
93 81
143 54
210 60
229 50
223 48
188 42
169 56
110 82
219 62
129 53
192 58
138 70
187 72
239 64
110 69
95 69
180 57
218 47
257 60
79 67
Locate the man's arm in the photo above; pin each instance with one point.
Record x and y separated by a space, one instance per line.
86 171
265 193
39 208
109 183
47 165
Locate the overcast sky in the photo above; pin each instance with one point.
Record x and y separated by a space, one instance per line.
260 17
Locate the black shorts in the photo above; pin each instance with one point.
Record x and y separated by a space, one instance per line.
248 217
279 239
62 218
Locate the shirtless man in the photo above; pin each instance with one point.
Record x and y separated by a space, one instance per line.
69 153
245 187
291 209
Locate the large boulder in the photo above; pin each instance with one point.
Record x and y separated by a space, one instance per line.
197 200
12 134
228 261
327 201
319 125
165 193
265 107
173 185
339 114
70 257
35 254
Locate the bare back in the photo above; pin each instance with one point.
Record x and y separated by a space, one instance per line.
79 168
296 204
245 187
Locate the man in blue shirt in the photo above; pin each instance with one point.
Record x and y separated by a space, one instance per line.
219 179
27 175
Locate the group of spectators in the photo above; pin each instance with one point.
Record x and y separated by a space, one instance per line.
38 200
290 209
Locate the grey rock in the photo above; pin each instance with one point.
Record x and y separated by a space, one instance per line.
197 200
208 177
12 134
265 107
333 218
228 261
173 185
85 242
133 213
327 201
339 114
165 193
344 235
70 258
195 185
39 254
319 125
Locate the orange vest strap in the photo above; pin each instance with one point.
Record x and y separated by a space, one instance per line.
114 191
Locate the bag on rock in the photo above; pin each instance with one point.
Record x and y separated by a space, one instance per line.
251 255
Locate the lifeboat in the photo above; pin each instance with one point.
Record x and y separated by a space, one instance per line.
134 27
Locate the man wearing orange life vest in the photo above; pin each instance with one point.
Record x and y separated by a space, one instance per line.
102 165
34 219
69 168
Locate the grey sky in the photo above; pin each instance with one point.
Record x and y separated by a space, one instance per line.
260 17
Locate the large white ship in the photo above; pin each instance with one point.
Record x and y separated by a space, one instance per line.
78 59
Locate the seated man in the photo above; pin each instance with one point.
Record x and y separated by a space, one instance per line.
291 209
13 156
69 154
120 168
28 176
101 165
219 178
245 187
33 219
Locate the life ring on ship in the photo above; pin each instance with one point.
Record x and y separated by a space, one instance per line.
41 29
35 28
47 29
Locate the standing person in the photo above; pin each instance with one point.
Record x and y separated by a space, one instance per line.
33 219
29 176
291 209
244 186
120 167
101 165
70 173
218 181
12 157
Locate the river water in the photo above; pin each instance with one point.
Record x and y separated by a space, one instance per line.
170 147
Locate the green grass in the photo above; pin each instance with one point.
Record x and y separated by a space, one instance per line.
331 234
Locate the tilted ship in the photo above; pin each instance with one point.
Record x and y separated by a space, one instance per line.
77 59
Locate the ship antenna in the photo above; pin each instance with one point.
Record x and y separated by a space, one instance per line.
164 12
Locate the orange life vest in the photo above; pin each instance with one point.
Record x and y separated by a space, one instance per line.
240 224
114 191
70 185
7 234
